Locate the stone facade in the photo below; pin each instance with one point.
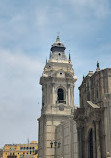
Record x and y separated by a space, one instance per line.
94 115
57 98
66 133
89 134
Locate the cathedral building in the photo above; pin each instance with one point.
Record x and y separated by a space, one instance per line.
94 115
57 83
66 131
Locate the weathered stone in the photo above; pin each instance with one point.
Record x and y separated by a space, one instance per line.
57 103
94 115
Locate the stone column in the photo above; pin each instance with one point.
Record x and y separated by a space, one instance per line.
68 94
53 93
79 129
98 140
94 140
45 94
72 96
86 148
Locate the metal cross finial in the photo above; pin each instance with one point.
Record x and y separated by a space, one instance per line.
58 33
58 39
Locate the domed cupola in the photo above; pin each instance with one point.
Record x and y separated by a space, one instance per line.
58 51
58 46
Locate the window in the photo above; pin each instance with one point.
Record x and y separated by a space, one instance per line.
21 148
97 93
60 73
88 96
91 144
60 94
36 151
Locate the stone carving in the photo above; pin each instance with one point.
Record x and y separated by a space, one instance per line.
58 78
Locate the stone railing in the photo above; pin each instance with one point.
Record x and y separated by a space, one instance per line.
61 101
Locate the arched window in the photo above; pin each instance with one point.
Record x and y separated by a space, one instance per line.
60 94
91 144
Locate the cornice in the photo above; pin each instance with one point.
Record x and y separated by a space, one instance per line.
84 115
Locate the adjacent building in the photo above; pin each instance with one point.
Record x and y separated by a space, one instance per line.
94 115
1 153
29 150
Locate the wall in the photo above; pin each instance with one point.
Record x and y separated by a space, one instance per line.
66 134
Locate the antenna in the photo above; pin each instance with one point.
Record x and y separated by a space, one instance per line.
28 141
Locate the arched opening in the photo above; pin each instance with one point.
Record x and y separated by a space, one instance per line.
91 144
60 94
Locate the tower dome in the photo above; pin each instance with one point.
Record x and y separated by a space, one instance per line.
58 51
58 46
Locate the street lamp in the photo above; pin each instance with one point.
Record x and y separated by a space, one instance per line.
56 145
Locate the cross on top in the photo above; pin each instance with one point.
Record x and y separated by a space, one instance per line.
58 33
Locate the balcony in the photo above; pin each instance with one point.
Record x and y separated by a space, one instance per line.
61 101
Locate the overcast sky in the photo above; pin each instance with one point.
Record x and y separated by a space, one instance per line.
28 28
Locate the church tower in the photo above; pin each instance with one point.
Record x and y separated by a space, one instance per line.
57 83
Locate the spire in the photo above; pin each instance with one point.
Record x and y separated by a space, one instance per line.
46 60
83 77
69 56
98 68
57 39
50 55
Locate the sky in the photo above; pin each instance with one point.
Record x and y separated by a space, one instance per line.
28 28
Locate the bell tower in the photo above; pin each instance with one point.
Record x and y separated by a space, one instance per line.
57 83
